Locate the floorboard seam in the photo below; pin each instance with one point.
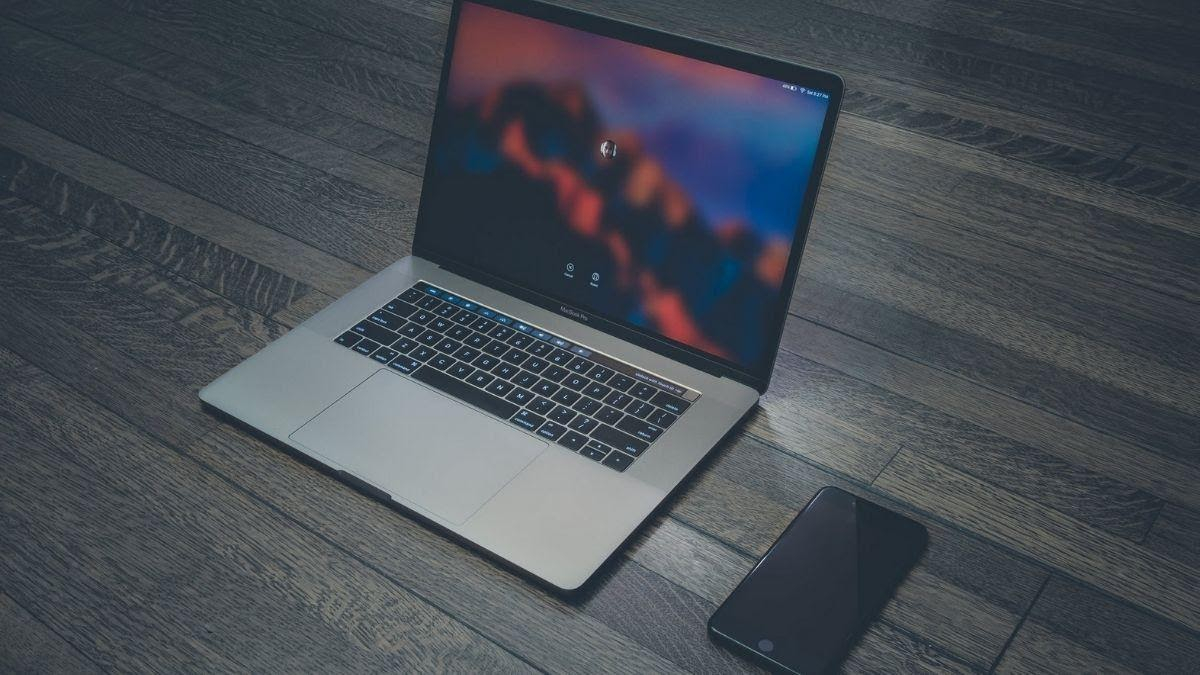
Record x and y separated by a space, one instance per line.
337 547
951 373
1117 165
57 634
1021 622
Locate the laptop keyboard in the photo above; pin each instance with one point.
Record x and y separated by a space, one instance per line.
585 401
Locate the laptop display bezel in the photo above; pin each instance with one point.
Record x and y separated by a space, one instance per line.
640 335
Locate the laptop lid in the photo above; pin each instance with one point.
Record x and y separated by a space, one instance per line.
652 186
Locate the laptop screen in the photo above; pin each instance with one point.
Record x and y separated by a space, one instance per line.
652 189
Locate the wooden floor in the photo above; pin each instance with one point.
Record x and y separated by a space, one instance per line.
995 331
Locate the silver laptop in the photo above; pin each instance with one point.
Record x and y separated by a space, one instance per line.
608 236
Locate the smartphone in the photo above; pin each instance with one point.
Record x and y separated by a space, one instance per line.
802 606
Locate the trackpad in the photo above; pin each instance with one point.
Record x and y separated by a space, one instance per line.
419 445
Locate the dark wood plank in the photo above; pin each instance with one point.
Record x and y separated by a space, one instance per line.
212 577
1073 628
181 212
545 630
1078 492
29 646
312 206
1106 408
1126 570
1176 533
77 23
241 282
1009 417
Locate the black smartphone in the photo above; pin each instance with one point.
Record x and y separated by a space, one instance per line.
833 568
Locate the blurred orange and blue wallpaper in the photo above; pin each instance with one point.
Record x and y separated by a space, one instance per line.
644 186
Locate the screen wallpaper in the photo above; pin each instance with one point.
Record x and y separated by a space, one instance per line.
636 184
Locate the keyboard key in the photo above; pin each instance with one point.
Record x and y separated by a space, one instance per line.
618 461
465 318
399 307
643 430
520 340
496 348
545 388
594 450
440 325
460 370
500 388
516 356
483 325
525 379
588 406
422 317
442 361
540 349
565 396
601 374
555 373
583 424
670 403
527 420
365 346
560 357
572 440
609 415
580 365
466 353
429 338
639 409
642 390
481 379
541 405
561 414
447 311
478 340
618 400
459 333
423 353
559 342
412 330
619 439
519 396
404 364
596 390
501 332
551 430
505 370
387 320
428 303
447 345
486 361
621 382
411 295
383 354
535 365
461 390
404 345
575 382
661 418
376 333
348 339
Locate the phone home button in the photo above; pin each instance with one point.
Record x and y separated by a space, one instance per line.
766 646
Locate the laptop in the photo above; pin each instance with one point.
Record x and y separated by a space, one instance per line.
610 225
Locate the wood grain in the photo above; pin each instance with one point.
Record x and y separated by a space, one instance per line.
200 561
996 331
30 646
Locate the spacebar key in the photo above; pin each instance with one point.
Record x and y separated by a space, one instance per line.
465 392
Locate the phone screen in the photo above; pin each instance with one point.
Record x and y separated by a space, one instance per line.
830 571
